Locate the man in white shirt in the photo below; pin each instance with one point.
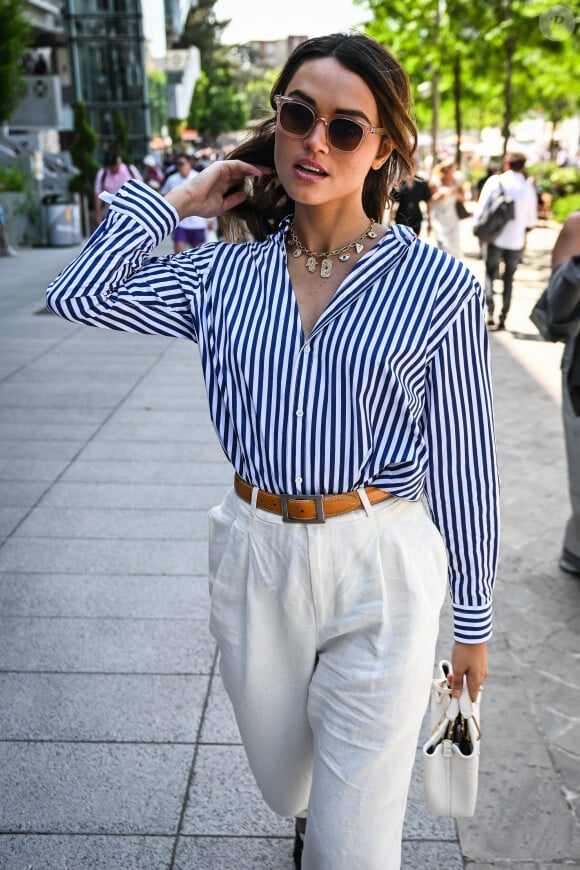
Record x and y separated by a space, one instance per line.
509 245
191 230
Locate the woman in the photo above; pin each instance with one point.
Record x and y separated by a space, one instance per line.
445 193
110 179
348 378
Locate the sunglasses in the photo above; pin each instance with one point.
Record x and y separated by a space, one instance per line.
298 119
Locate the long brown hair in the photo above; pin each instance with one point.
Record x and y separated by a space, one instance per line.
267 201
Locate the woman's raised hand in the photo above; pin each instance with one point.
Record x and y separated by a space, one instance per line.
217 188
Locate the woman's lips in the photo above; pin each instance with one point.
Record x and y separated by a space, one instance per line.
307 170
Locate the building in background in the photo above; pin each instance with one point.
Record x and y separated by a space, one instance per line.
107 58
274 53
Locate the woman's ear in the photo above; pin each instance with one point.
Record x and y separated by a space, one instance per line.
385 150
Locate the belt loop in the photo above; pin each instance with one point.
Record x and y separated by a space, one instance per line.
254 501
362 494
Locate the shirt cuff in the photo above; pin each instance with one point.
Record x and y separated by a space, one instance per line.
472 624
139 201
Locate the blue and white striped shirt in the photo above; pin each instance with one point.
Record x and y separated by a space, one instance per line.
392 388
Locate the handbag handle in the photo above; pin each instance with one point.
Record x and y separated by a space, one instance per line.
456 706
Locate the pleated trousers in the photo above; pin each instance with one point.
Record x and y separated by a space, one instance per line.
327 637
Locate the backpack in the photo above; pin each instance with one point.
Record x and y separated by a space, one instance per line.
499 210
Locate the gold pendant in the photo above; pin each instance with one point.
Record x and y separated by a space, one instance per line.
311 263
326 268
296 252
371 234
344 257
358 247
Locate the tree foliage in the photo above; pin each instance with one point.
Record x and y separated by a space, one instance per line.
157 89
217 105
120 144
82 150
493 60
15 37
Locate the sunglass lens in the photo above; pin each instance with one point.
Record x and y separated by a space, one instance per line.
344 134
296 118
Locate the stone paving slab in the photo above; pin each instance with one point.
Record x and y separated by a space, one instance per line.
125 708
527 865
219 723
186 452
61 852
10 517
32 450
115 523
31 469
101 557
22 494
138 646
224 801
117 596
133 495
243 853
151 471
64 788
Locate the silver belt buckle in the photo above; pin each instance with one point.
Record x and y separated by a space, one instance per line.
319 518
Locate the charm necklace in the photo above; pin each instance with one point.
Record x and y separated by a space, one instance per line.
342 253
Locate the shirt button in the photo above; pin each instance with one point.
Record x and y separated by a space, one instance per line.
299 413
297 481
306 348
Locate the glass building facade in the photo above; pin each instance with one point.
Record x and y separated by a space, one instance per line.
107 50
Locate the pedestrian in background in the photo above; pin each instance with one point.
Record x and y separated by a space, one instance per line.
564 316
407 199
359 428
152 174
110 179
445 193
191 230
508 246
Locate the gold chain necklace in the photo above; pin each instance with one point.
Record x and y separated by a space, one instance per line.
343 253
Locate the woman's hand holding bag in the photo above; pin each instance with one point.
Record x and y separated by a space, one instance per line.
451 754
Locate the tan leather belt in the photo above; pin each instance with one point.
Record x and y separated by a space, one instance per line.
308 508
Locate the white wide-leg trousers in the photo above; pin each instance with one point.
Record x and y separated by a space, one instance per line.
327 640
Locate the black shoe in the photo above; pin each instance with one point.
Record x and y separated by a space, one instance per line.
501 325
298 848
490 320
569 563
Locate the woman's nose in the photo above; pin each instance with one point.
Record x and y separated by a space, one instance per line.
317 138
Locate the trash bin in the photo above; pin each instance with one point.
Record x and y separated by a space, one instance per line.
63 224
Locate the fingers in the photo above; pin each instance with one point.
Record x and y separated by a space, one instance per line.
470 661
233 199
474 685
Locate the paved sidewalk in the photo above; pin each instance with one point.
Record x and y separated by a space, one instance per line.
118 749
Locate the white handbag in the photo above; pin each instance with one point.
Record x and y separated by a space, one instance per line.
451 754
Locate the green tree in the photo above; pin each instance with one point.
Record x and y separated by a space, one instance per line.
120 143
479 62
218 105
157 87
15 38
216 108
82 150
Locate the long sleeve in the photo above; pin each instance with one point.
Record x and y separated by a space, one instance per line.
462 483
115 283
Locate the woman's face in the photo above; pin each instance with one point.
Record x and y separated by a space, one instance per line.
312 171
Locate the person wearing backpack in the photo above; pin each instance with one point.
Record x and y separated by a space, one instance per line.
110 179
508 245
